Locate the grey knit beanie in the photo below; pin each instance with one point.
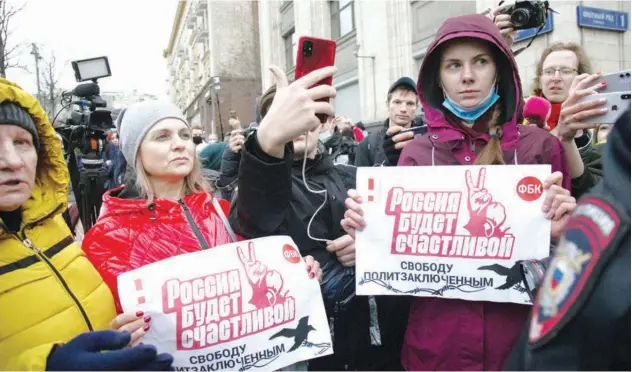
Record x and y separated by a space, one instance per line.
13 114
134 122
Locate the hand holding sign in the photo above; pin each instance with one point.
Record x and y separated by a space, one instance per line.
345 250
132 322
354 219
558 204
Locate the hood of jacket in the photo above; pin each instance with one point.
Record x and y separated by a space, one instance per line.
509 87
211 155
50 191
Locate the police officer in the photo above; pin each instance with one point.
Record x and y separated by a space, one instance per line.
581 316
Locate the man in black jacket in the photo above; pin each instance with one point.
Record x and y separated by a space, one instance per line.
581 317
274 198
382 148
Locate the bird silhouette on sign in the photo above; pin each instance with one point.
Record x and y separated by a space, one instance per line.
299 334
513 275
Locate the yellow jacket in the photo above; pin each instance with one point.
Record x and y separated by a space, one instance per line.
49 291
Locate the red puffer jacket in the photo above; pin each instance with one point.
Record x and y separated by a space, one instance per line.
130 233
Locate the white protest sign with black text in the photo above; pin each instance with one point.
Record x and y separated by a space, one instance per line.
241 306
450 231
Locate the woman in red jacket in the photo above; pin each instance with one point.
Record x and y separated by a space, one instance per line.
471 93
167 211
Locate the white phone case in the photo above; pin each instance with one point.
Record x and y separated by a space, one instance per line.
616 82
616 103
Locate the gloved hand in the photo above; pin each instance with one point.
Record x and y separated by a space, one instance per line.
392 154
106 351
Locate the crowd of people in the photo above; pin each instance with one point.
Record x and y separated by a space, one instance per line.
173 190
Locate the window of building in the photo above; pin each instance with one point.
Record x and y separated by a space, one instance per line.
342 18
290 42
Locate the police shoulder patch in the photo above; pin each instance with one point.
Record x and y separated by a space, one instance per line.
592 236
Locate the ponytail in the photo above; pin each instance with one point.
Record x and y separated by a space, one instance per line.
492 153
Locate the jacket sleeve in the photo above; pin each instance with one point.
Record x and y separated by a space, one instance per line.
264 190
99 250
558 161
228 171
33 359
591 156
363 155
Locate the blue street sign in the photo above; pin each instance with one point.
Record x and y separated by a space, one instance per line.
531 32
604 19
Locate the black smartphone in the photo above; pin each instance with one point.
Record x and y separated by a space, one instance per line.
417 130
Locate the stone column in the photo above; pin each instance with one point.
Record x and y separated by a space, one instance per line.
270 41
384 31
399 30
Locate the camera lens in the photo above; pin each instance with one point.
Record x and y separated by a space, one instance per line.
520 17
308 47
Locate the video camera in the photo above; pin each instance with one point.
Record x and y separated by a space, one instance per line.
527 14
84 137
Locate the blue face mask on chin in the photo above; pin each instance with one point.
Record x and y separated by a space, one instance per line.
471 114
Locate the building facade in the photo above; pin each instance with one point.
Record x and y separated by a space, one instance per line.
379 41
213 61
119 100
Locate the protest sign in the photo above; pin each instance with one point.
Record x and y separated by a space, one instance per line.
452 232
241 306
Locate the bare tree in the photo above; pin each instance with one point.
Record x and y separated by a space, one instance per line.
51 92
9 54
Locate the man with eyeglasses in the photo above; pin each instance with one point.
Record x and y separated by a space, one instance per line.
562 74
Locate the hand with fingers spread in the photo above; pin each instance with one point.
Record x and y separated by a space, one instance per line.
135 323
503 22
353 218
236 140
344 248
294 108
393 143
558 204
573 112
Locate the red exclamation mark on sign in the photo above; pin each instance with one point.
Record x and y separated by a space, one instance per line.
139 287
371 188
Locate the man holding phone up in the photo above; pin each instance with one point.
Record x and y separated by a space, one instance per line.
276 196
382 148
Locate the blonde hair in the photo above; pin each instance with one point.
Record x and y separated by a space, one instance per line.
193 182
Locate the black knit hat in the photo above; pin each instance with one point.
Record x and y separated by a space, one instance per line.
13 114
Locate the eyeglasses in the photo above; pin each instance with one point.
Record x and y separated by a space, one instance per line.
564 71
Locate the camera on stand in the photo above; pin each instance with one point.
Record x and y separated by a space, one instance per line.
527 14
84 137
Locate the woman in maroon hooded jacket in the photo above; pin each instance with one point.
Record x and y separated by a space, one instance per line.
471 94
